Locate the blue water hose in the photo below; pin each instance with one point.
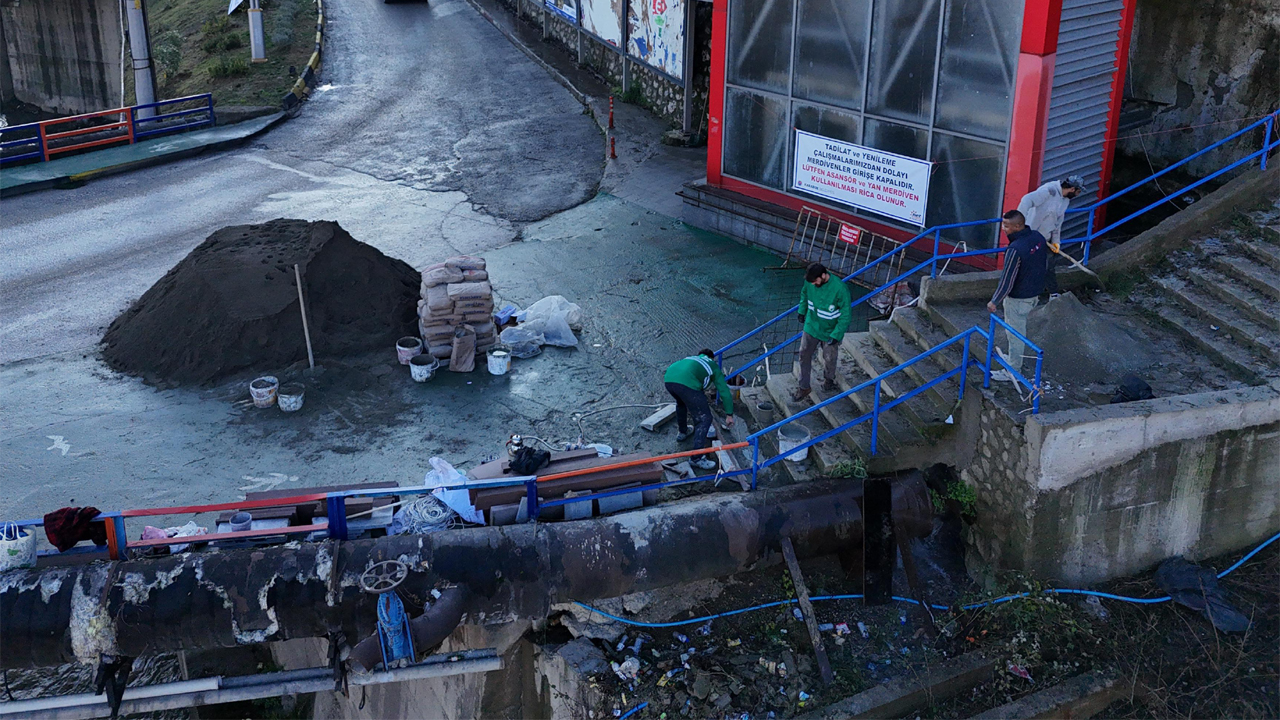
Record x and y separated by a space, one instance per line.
973 606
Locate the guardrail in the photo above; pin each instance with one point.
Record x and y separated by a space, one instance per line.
336 525
41 141
1270 143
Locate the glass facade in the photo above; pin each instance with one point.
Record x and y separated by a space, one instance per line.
931 79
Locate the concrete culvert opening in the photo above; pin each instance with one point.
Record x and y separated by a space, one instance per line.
232 304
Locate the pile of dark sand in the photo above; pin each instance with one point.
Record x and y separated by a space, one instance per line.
1083 346
232 304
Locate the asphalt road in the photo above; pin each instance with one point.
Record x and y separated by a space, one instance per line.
432 135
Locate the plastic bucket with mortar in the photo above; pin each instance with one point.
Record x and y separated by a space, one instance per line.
263 391
423 367
791 436
499 360
736 384
407 348
290 397
241 521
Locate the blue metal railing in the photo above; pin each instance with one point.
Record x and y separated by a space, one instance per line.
1270 142
35 141
201 116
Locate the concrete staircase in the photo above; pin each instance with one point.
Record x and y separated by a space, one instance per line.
908 435
1224 297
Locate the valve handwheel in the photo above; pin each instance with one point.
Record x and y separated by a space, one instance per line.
383 577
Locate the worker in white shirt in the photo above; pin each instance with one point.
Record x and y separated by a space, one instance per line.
1044 209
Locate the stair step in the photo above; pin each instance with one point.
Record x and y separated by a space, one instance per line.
858 437
823 456
1242 298
1242 330
901 422
1235 359
1263 279
930 406
1266 253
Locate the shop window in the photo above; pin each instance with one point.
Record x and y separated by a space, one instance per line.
831 48
760 44
978 67
904 48
895 138
967 184
755 136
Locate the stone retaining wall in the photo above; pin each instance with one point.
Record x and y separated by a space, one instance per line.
1082 496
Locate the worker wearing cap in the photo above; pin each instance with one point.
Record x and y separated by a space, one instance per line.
688 381
1044 209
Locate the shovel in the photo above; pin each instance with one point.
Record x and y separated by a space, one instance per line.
1076 263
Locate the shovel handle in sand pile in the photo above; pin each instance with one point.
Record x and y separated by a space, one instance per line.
306 331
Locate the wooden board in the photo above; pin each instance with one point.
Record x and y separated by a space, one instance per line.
308 510
806 608
560 461
609 478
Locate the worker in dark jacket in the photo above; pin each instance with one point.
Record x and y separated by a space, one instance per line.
688 381
1025 272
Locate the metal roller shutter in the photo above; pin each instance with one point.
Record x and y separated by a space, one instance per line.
1080 103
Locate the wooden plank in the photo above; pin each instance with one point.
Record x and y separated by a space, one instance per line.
502 468
659 418
905 695
238 535
603 480
1077 698
806 607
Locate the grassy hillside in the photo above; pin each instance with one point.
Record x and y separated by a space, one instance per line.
198 48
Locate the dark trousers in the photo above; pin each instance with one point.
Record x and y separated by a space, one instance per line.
692 401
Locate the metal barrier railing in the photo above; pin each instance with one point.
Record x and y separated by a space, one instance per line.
37 140
1270 143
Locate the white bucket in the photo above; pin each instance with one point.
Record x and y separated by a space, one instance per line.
263 391
423 367
407 348
791 436
499 361
18 552
290 397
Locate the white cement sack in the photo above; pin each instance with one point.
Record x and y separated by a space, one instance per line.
438 298
440 275
461 291
474 275
466 262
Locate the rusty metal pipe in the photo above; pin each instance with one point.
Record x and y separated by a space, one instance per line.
239 597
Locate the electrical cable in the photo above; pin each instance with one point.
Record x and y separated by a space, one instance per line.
971 606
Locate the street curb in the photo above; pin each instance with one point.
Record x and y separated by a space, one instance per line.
307 81
76 179
554 73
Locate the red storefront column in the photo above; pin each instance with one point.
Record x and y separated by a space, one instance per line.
715 111
1033 86
1113 112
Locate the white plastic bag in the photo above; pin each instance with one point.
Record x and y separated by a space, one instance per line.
551 306
441 475
524 343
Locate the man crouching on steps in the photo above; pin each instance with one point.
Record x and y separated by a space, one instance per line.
824 312
688 380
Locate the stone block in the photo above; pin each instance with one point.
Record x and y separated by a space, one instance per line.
503 514
578 510
616 503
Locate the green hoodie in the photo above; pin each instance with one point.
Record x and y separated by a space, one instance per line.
825 310
697 373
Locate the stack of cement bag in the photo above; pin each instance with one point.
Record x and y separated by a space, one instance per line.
456 296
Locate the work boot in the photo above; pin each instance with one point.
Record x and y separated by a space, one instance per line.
829 386
683 435
799 394
705 464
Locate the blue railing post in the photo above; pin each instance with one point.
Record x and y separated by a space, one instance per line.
122 537
1088 236
933 268
1035 391
1266 140
964 365
991 348
755 462
531 495
336 508
875 419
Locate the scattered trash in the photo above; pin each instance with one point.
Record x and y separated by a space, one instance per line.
682 638
635 647
1020 672
705 629
798 615
902 619
905 650
804 697
843 628
628 670
435 593
863 629
734 643
1213 328
1093 606
826 627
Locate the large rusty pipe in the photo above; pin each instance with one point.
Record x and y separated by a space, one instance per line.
238 597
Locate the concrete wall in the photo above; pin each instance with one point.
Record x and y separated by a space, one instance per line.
1085 495
64 55
1208 62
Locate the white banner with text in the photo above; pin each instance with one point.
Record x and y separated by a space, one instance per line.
880 182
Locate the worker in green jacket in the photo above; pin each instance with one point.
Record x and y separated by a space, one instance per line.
825 312
688 380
